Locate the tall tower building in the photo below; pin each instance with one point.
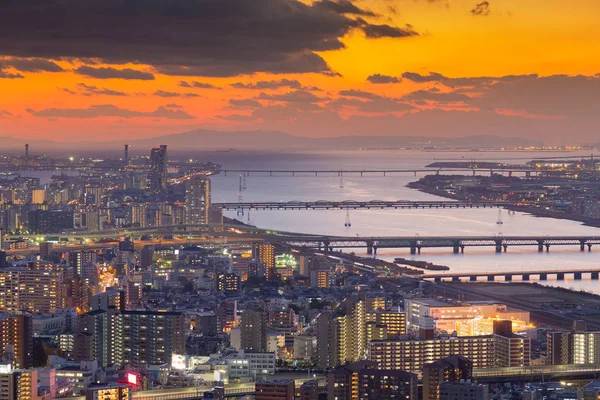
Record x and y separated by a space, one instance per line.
254 330
197 200
126 156
16 331
158 168
265 253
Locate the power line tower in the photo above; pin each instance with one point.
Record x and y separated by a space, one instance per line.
240 210
244 181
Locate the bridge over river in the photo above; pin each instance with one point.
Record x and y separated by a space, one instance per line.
458 244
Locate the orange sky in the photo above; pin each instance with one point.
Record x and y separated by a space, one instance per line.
514 37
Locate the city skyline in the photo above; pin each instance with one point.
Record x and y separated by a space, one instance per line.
314 68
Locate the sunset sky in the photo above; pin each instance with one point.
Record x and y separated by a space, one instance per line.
114 69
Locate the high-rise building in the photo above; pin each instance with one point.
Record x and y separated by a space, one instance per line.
510 350
137 338
342 338
37 288
138 216
343 382
577 346
50 221
16 334
19 385
450 369
227 315
412 355
80 259
281 389
158 168
126 156
45 250
197 200
38 196
229 282
265 253
394 322
387 385
254 330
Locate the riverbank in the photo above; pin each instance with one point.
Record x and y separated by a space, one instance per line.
421 264
534 211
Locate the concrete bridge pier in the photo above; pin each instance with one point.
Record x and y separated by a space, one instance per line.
543 277
326 245
508 278
540 246
560 277
505 247
498 246
462 249
491 278
456 279
547 248
595 275
456 248
577 276
438 279
375 250
370 247
525 277
589 247
473 278
582 245
413 250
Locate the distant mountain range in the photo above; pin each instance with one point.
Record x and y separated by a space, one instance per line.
209 139
266 140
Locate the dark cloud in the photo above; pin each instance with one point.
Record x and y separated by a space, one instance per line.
245 103
236 117
163 93
10 75
275 84
185 37
382 79
415 77
88 90
30 65
342 7
437 96
369 102
197 85
109 110
296 96
358 93
67 90
114 73
481 9
4 113
380 31
477 81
